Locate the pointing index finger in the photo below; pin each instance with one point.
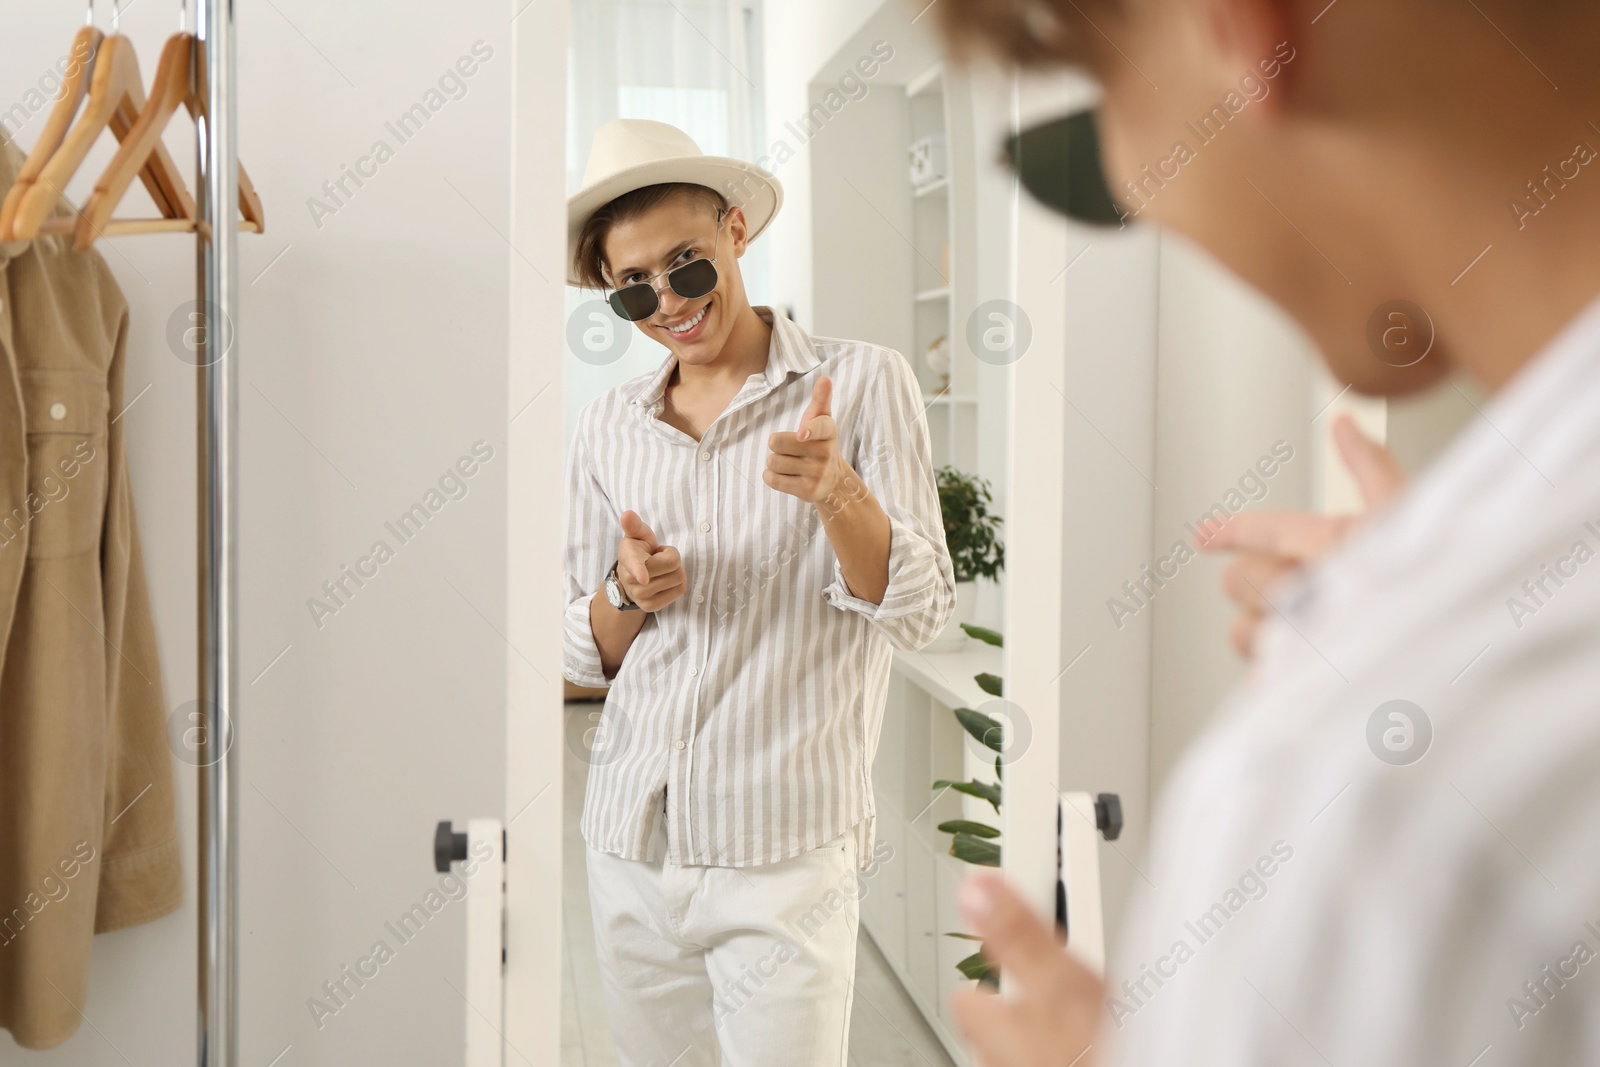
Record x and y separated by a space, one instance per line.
821 399
1377 472
1294 535
637 529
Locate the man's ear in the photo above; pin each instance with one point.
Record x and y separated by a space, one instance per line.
738 230
1255 37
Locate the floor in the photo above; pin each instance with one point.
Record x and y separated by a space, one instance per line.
885 1027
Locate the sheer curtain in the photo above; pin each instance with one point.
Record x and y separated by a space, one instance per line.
693 63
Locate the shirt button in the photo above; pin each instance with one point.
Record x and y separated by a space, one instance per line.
677 745
693 671
705 455
705 526
58 411
699 599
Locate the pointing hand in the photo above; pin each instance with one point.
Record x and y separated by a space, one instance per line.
651 574
807 463
1271 544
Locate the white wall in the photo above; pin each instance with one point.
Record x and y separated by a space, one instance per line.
798 37
372 349
1235 377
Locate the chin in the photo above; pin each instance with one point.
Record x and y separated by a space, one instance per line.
1371 377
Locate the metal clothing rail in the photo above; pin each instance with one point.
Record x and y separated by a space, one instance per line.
217 404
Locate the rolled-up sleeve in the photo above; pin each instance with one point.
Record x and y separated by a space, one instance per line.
895 461
593 531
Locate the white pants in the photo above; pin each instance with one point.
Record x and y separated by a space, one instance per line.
743 966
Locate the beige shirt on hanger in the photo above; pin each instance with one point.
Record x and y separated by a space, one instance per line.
88 827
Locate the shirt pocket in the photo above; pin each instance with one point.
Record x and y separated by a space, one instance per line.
65 415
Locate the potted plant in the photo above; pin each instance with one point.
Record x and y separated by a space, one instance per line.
972 534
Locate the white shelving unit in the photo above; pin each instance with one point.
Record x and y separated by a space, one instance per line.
942 285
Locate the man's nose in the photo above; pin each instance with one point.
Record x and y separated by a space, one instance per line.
672 304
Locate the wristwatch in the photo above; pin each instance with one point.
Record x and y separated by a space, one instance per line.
616 594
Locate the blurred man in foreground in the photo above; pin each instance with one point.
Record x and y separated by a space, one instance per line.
1386 850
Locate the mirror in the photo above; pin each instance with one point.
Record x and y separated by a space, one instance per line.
840 767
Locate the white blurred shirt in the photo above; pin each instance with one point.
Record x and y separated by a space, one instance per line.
1312 903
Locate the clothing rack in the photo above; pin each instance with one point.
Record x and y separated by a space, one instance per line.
216 409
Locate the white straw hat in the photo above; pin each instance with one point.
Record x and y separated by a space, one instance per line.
630 154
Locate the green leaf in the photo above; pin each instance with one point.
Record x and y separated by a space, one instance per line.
985 728
975 850
967 826
989 683
966 937
981 790
971 533
979 969
984 634
997 772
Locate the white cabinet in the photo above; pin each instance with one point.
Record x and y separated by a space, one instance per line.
948 951
921 922
883 908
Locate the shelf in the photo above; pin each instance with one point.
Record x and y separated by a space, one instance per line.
929 295
938 185
948 675
948 398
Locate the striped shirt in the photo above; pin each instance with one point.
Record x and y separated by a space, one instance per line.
1387 850
755 699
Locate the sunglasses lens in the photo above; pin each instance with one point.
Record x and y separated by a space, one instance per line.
1059 165
694 279
635 302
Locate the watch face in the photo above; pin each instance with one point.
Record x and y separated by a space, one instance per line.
615 594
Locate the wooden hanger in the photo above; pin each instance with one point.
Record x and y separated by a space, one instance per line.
74 86
178 82
116 95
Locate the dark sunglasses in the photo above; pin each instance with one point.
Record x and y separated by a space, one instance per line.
1058 163
690 281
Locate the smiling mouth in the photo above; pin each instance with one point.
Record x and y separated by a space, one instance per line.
689 328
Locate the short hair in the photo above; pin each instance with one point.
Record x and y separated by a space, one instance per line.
588 258
1030 33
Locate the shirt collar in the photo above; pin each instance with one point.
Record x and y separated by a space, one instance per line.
792 351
